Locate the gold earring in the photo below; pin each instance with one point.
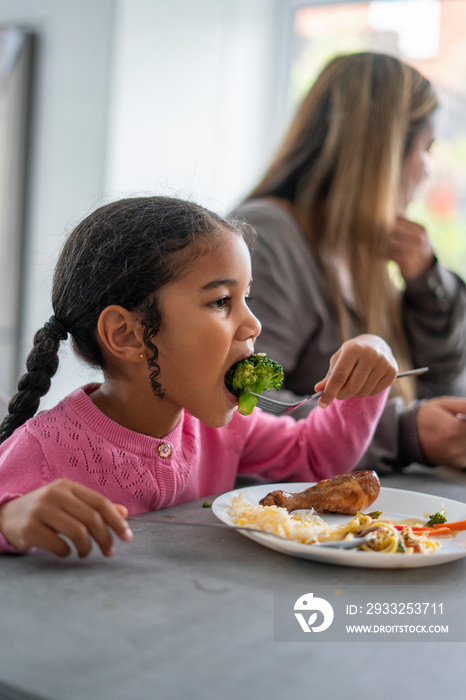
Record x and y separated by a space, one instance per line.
141 356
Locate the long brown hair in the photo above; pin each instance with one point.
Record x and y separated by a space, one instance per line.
340 165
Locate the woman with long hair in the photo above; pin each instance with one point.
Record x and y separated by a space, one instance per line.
330 216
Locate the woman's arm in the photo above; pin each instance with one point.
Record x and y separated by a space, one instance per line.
434 311
434 317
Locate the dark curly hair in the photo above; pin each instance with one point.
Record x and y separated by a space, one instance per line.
122 253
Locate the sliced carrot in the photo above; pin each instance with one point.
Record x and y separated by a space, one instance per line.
458 525
439 530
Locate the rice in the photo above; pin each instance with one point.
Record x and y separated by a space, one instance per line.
309 528
306 528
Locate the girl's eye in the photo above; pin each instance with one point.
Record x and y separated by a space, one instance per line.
221 303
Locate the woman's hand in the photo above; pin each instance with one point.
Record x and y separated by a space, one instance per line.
66 508
410 248
363 366
442 434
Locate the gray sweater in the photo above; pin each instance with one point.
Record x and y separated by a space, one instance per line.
300 329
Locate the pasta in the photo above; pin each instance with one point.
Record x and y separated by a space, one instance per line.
310 528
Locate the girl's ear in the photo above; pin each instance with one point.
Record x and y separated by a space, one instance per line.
121 333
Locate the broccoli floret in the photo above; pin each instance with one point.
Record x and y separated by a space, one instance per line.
256 373
436 518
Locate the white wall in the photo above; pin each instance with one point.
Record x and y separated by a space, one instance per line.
192 94
141 96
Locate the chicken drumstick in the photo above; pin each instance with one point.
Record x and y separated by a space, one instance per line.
348 494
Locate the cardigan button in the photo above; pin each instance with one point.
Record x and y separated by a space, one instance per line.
164 450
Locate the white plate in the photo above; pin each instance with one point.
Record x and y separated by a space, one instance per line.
394 503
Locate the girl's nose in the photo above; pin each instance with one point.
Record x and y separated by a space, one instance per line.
251 325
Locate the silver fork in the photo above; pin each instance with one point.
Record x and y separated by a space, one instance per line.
279 407
334 544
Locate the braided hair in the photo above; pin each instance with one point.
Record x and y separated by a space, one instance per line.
122 253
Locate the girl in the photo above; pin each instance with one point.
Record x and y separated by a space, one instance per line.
154 291
329 214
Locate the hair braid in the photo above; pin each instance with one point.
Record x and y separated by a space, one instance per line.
41 365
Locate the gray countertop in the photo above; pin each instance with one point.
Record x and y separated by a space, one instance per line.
189 612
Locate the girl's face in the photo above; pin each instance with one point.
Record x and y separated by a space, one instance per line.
414 168
206 326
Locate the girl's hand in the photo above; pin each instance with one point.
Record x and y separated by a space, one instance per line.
67 508
410 248
363 366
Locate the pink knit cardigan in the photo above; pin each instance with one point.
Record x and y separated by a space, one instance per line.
76 441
